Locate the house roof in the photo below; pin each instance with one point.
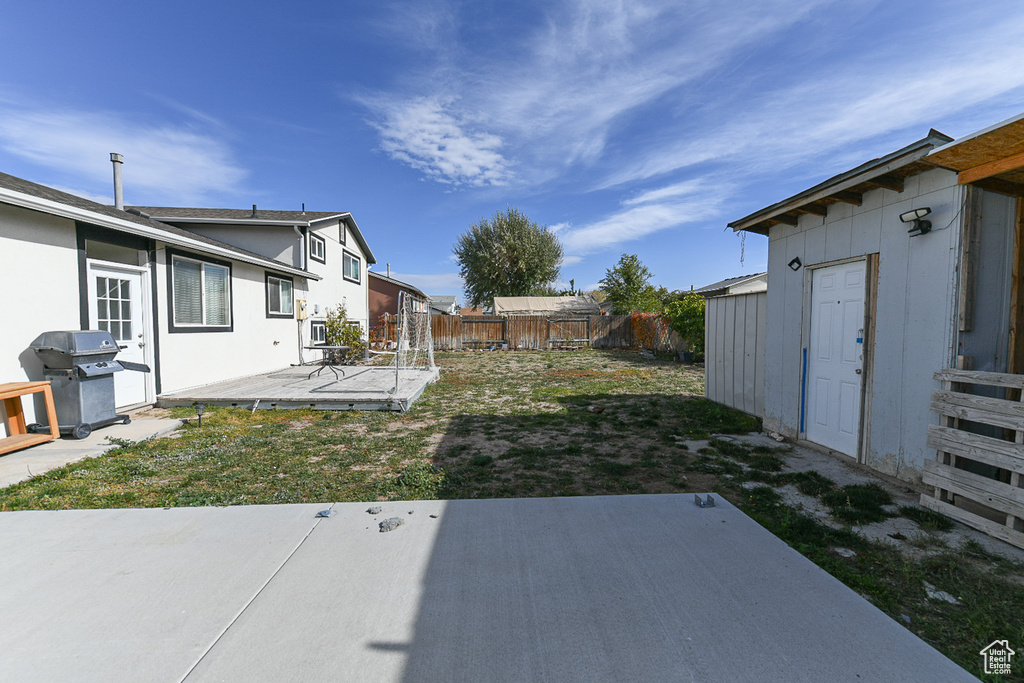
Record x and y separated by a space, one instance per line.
443 300
399 283
992 158
545 304
26 194
256 216
728 282
849 187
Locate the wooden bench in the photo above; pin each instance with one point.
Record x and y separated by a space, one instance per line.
11 394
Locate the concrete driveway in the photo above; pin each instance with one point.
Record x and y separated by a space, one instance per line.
561 589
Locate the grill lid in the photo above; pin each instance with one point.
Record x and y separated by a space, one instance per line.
66 348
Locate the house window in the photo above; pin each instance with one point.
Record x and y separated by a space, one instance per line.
280 302
317 248
318 332
202 294
342 232
351 267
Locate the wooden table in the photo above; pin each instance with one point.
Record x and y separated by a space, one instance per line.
11 394
327 359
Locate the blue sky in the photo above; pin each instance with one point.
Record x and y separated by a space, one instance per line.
628 127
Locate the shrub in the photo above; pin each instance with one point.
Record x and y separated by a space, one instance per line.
342 332
686 317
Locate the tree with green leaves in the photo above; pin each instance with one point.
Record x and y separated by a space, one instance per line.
686 317
508 255
628 286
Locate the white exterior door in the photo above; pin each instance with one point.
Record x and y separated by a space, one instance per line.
835 357
118 304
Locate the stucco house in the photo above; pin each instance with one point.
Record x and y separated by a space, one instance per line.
327 244
195 308
444 304
893 286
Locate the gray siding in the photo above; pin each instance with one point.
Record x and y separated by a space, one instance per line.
915 328
734 351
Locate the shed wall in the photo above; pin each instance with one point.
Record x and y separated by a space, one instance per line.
915 328
734 351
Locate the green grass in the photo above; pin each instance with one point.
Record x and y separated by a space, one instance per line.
500 425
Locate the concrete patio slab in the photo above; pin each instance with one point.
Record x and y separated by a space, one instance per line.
359 388
603 588
132 595
27 463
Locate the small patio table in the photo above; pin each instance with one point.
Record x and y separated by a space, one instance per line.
327 358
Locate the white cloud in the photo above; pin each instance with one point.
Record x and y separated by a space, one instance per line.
847 104
423 134
163 162
571 261
682 189
557 90
636 220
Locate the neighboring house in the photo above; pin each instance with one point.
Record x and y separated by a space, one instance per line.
583 304
864 307
443 304
194 308
744 284
328 244
384 293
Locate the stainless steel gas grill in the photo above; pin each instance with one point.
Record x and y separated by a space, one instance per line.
80 366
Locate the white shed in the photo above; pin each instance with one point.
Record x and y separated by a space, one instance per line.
893 320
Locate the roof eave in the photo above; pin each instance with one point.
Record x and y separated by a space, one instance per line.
761 220
31 202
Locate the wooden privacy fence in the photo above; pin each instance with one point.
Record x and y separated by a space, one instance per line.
979 470
454 332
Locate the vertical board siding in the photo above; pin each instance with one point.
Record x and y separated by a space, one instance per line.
521 332
734 351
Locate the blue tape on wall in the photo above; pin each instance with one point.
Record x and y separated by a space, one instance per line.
803 391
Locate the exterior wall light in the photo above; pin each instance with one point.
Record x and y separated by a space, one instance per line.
795 263
914 217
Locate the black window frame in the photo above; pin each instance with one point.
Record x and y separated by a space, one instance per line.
342 233
291 281
174 328
344 269
317 239
317 325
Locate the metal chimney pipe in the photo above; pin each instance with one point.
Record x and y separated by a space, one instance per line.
254 214
389 270
118 160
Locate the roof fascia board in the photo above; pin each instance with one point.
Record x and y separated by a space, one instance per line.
211 220
27 201
902 157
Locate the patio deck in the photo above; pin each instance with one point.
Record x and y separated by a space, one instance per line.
362 388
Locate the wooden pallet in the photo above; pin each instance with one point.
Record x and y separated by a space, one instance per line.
993 504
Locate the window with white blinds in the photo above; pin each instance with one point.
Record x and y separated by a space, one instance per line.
351 267
202 293
279 297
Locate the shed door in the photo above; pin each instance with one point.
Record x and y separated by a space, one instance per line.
835 357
